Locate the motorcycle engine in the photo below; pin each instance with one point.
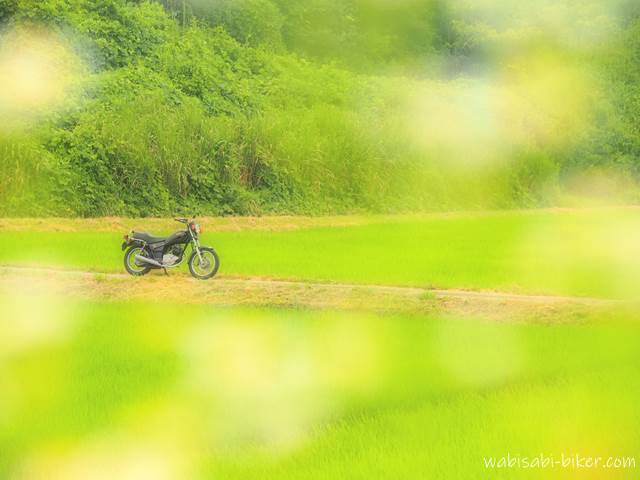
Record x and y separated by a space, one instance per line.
173 256
169 259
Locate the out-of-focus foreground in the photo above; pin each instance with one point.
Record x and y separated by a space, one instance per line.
171 391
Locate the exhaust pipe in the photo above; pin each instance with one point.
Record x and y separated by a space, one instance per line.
141 259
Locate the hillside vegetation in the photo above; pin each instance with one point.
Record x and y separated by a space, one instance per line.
113 107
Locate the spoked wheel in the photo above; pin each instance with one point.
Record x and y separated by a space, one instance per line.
133 267
205 268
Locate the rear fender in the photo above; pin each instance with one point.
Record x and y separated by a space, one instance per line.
132 242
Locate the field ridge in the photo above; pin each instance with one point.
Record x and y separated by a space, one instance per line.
260 291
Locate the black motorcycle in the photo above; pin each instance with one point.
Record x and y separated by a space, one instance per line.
144 252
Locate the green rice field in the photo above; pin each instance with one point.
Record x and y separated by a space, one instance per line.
588 253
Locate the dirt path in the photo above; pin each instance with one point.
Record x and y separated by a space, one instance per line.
224 290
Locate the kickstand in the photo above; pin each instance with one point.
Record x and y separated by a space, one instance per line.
165 272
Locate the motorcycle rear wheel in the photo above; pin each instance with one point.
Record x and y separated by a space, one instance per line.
130 262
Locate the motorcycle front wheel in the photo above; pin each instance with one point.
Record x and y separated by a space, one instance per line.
207 267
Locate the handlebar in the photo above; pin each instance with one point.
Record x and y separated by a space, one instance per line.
182 220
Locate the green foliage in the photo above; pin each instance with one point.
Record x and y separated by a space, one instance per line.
252 22
27 178
7 8
281 106
212 67
363 34
116 33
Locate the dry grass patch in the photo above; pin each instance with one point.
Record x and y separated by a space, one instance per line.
119 224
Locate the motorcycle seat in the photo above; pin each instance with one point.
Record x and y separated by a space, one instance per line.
147 237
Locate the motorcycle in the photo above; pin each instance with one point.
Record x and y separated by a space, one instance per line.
145 252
